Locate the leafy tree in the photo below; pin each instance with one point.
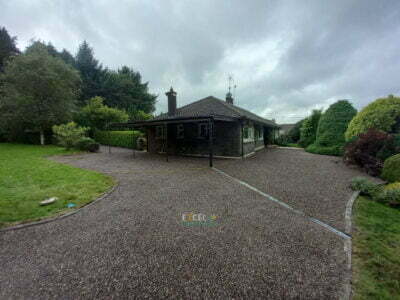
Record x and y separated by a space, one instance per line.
91 71
38 91
140 115
8 47
382 114
64 54
308 130
332 126
124 89
96 115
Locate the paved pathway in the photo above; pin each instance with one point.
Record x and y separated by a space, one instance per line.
133 244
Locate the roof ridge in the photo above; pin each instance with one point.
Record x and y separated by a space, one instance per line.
197 101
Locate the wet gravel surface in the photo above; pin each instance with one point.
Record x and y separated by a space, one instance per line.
315 184
133 243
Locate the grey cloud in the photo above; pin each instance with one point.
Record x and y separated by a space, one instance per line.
321 50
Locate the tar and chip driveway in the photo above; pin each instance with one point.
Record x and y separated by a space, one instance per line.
133 243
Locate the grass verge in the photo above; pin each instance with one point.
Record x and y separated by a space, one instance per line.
376 251
27 177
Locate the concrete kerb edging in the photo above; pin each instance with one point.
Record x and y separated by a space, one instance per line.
348 244
44 221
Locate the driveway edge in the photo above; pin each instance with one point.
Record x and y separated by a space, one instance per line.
44 221
348 244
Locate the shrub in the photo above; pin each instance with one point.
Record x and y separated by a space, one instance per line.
331 128
87 144
308 130
96 115
67 135
388 196
282 140
363 151
141 143
331 150
391 169
395 185
365 186
382 114
125 139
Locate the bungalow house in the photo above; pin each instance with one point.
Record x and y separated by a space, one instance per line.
209 126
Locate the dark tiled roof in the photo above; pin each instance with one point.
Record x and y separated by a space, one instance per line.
211 106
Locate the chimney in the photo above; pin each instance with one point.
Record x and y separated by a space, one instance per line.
229 98
171 94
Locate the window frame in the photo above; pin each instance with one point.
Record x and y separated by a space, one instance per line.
180 131
199 131
160 132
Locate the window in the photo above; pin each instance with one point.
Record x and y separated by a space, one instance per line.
248 134
160 132
203 130
180 131
259 133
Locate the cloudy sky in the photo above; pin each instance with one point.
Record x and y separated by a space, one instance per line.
287 57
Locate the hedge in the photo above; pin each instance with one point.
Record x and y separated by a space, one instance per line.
330 150
124 139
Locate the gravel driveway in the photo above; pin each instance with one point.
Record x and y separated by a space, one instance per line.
133 244
315 184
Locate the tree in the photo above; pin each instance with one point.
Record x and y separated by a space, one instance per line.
64 55
67 57
8 47
294 133
382 114
332 126
96 115
91 71
38 91
308 130
124 89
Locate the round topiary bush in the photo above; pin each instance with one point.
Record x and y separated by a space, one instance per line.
382 114
391 169
331 128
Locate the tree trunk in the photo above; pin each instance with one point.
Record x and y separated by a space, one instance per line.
41 137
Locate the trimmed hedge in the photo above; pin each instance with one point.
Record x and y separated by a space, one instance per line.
331 150
124 139
391 169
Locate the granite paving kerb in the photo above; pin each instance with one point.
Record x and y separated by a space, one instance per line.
133 243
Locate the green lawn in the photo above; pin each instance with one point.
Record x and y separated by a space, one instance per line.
27 177
376 251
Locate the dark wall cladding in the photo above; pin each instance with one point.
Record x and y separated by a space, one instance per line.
226 142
